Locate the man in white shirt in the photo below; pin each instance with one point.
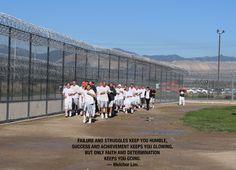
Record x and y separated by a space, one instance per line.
181 97
137 97
103 97
128 100
142 96
98 96
67 93
80 93
76 89
133 91
89 95
119 98
82 97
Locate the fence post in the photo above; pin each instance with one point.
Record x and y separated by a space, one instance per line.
135 70
47 81
75 76
86 64
118 69
232 87
161 84
99 67
127 71
29 76
109 71
8 73
63 75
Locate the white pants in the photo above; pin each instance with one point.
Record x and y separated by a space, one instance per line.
152 100
89 109
127 103
181 100
68 103
119 102
81 103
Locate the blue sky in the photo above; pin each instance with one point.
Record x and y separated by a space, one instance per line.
183 27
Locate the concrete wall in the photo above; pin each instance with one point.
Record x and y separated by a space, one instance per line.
18 110
3 109
37 108
54 106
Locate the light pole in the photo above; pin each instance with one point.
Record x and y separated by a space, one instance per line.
219 32
232 86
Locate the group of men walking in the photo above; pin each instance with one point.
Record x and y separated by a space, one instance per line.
105 99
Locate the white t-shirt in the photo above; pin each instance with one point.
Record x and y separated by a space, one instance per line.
128 93
88 98
133 91
80 90
98 95
119 93
75 89
142 91
82 94
103 97
66 91
138 92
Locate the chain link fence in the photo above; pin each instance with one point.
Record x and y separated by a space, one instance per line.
206 86
35 63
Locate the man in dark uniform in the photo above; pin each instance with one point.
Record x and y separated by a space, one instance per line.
153 96
111 96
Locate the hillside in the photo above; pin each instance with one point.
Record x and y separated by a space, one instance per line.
175 57
201 67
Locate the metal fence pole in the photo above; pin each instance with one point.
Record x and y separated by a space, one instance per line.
109 68
8 74
86 64
127 71
142 76
161 84
149 74
63 75
1 90
75 75
47 81
29 76
119 69
135 71
232 87
155 75
99 67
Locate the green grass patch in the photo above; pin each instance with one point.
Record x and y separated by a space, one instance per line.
212 119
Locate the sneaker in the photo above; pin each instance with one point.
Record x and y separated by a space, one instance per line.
109 114
106 116
102 115
84 119
126 112
70 113
90 120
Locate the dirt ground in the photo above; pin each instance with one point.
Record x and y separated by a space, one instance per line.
47 143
